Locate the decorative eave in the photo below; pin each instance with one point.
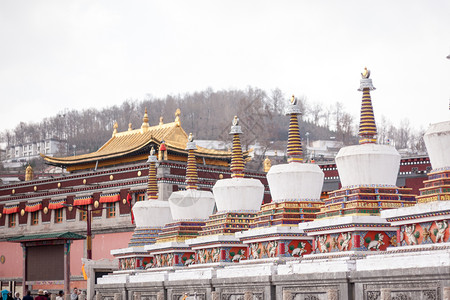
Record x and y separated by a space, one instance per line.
135 141
47 236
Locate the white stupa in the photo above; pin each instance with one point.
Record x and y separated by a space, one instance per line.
191 204
238 194
295 181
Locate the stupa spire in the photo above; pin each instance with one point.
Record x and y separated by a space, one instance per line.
294 146
152 188
367 127
145 125
237 159
191 170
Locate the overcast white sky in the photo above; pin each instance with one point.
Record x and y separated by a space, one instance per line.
81 54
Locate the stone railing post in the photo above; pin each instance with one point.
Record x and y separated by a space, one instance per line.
333 294
215 295
385 294
248 296
287 295
137 296
446 292
97 296
160 296
117 296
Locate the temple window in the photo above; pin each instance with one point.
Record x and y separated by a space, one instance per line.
110 210
58 215
35 218
83 213
12 220
140 197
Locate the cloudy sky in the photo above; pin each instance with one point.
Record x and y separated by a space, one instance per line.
81 54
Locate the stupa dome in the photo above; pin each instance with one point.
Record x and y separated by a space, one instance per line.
368 164
151 213
295 181
238 194
437 141
191 204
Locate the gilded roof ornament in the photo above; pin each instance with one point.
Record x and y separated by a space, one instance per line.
115 128
29 173
177 117
190 138
145 125
161 120
267 164
130 127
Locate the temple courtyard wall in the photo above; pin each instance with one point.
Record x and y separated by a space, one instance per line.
423 273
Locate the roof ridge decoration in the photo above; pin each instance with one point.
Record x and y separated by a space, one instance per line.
145 125
152 188
367 126
177 117
191 170
294 146
237 159
115 129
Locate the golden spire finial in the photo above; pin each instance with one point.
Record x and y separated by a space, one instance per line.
267 164
365 73
130 127
145 126
115 128
177 117
161 120
293 100
29 173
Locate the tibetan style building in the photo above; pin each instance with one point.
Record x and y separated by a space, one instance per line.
39 218
43 222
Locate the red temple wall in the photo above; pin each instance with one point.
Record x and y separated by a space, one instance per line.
12 267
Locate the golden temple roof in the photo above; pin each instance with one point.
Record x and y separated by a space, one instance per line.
131 141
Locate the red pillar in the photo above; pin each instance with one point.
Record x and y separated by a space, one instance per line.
67 267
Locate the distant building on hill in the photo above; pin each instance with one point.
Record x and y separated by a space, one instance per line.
17 155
